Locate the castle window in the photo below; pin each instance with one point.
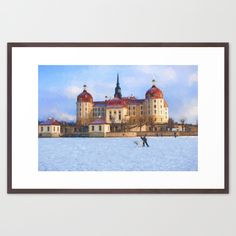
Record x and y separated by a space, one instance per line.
141 107
92 128
114 112
100 128
133 108
41 128
57 128
75 130
48 128
141 112
155 106
133 113
54 129
119 116
155 100
161 106
155 111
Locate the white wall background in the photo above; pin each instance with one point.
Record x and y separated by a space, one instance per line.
121 21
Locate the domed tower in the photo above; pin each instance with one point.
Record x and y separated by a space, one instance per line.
156 106
84 107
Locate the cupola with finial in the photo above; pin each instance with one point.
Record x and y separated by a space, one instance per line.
85 96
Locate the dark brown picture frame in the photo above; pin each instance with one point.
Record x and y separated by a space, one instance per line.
224 190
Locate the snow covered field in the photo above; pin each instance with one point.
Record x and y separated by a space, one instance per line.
118 154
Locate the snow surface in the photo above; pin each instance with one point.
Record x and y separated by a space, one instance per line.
118 154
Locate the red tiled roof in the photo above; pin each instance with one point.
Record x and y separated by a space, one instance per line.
154 92
85 97
116 102
50 121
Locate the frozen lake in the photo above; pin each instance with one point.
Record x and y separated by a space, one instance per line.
118 154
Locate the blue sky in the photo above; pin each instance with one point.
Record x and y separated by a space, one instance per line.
59 86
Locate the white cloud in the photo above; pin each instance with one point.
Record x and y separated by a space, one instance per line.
66 117
98 89
72 91
193 78
161 75
169 74
62 116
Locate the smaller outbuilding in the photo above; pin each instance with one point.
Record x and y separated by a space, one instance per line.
49 128
98 128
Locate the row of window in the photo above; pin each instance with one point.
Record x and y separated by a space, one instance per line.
47 128
111 117
98 109
99 128
114 112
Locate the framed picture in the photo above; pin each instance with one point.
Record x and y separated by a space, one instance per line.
118 118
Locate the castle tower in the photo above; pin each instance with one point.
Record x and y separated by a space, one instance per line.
118 89
84 107
156 106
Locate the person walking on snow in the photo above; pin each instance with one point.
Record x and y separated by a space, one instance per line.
144 141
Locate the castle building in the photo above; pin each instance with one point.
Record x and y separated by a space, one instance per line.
121 113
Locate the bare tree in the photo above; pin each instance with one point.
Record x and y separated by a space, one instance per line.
141 122
151 122
182 121
170 123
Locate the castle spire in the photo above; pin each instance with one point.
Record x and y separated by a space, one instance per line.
117 88
117 82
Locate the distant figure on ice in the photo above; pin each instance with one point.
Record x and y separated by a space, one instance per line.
175 134
144 141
